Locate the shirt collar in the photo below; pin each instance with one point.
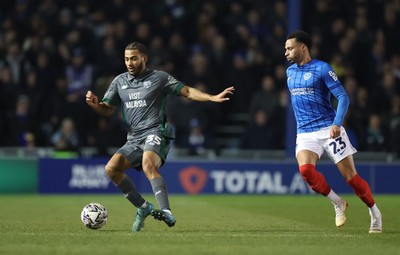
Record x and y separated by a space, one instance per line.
145 73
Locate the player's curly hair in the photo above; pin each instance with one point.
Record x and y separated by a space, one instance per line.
137 46
301 37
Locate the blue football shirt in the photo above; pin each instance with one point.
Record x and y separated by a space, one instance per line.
310 87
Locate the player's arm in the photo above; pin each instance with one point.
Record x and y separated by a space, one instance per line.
335 86
197 95
101 108
343 104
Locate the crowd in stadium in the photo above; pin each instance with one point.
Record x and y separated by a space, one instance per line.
52 52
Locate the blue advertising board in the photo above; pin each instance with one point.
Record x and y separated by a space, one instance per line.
207 177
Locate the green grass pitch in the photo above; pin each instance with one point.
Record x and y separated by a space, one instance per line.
217 224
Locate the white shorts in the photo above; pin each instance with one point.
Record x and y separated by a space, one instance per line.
319 141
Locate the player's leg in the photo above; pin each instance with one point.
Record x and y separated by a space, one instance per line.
317 182
362 190
151 164
115 169
156 148
309 149
307 161
341 151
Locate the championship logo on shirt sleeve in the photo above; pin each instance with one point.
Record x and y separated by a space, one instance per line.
333 75
171 80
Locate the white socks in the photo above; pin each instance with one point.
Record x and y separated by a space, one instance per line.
374 211
334 198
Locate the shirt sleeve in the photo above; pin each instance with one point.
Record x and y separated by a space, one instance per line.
343 104
329 77
111 96
336 87
339 92
172 85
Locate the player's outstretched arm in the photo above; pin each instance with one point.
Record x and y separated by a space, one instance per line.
101 108
197 95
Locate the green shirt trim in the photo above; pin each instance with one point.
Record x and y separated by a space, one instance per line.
179 88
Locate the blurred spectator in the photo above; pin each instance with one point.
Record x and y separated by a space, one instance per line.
260 133
199 71
109 59
255 25
278 12
245 84
9 90
44 70
79 75
107 135
66 137
383 93
16 61
21 124
280 76
280 119
158 55
220 57
63 23
359 111
142 33
266 98
197 140
391 28
376 135
395 66
178 50
274 43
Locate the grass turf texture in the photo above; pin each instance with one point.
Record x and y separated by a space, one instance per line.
219 224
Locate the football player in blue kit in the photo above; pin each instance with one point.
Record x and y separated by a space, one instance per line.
319 127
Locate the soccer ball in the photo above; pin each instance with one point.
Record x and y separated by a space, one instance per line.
94 215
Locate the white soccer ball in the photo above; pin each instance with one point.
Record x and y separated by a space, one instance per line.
94 215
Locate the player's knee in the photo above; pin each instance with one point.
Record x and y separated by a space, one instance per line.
111 170
149 168
307 171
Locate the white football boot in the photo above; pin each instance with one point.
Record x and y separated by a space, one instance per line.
376 223
340 217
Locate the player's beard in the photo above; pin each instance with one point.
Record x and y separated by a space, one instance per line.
137 69
294 59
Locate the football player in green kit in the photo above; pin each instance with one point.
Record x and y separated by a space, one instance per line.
142 94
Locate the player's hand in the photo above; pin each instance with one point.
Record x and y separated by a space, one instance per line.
91 99
334 132
222 97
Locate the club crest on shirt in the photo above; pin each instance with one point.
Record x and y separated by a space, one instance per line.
307 76
147 84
